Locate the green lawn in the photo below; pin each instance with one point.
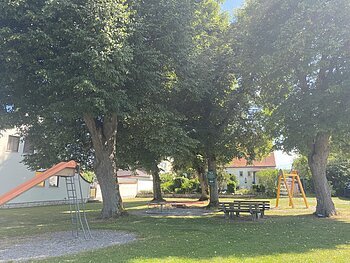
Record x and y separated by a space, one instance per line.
285 235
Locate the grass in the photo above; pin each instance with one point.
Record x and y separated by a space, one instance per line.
285 235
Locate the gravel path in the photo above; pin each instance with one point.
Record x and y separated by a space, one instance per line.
59 244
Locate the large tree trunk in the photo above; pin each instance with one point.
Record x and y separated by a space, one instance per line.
203 182
214 189
157 191
317 159
103 134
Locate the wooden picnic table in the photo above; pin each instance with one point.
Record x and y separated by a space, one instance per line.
255 208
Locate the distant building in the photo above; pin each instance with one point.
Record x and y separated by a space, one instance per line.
130 184
13 173
246 173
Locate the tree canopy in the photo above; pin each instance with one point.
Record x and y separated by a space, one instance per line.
297 54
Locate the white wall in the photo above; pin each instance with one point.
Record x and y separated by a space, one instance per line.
14 173
144 185
244 181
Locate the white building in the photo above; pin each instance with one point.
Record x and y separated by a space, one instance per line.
13 173
246 173
131 183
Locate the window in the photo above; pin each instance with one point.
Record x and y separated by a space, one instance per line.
13 144
53 181
240 173
28 148
249 173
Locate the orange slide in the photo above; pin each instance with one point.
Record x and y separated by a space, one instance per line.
61 169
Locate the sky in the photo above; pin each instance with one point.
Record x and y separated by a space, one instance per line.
283 160
231 4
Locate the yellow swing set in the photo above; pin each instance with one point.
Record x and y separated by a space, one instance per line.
293 178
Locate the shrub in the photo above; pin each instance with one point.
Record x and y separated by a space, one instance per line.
267 181
179 185
231 187
167 183
338 174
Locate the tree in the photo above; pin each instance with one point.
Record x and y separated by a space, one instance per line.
221 115
152 131
87 66
297 54
67 60
150 137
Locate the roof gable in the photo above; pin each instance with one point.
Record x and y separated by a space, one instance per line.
268 161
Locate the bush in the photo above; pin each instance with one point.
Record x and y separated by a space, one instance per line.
258 188
338 173
179 185
231 187
167 183
267 181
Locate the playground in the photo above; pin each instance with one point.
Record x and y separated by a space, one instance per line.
284 234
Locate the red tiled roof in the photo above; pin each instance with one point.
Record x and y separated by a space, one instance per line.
268 161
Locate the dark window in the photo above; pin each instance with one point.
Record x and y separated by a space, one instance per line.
28 147
53 181
13 144
240 173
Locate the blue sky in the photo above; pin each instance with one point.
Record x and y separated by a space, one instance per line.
231 4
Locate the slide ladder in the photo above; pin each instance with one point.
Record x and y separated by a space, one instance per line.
77 207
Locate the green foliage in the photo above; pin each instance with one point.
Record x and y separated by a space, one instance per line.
171 183
167 182
301 165
231 187
267 181
338 173
88 176
152 131
297 56
60 60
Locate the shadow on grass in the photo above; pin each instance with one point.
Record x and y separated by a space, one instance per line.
205 238
191 237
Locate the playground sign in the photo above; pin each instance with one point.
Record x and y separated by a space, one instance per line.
211 177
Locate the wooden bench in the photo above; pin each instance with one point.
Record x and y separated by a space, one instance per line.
255 208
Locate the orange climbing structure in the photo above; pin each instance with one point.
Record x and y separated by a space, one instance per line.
66 169
294 176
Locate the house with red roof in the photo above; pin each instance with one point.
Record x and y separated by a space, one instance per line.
246 173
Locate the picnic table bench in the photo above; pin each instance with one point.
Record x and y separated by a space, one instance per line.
255 208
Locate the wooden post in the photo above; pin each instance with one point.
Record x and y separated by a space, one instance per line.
302 192
292 186
278 188
288 190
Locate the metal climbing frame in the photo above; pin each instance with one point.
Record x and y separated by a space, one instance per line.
77 206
